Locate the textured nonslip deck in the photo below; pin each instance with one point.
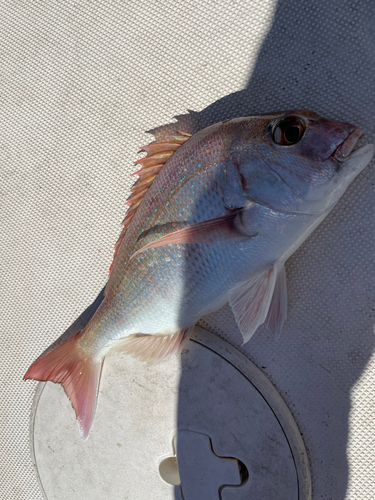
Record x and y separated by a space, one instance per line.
80 85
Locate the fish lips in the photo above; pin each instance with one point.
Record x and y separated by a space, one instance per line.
349 164
345 151
350 161
347 146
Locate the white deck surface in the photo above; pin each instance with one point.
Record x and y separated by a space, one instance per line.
165 412
80 85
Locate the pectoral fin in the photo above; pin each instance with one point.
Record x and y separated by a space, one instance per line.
207 231
277 311
252 302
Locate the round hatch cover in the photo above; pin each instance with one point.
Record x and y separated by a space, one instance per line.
208 424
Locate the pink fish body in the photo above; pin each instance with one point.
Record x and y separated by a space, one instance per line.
212 219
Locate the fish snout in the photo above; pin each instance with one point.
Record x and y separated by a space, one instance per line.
347 146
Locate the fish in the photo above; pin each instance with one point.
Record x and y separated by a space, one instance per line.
212 219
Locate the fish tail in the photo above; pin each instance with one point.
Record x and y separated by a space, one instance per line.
78 373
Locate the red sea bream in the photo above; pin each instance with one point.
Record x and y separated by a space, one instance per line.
212 219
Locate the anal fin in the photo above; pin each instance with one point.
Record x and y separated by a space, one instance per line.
154 348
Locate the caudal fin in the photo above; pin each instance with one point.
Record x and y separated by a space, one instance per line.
79 375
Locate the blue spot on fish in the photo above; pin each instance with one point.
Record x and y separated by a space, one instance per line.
199 166
192 186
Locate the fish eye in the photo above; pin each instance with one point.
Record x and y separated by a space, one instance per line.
288 131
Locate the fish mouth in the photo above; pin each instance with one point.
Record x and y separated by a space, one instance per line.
346 149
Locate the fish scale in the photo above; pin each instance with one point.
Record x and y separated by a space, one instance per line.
173 187
225 210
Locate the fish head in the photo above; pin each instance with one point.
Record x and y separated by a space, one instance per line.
297 161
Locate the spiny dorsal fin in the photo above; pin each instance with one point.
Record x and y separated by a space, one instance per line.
158 153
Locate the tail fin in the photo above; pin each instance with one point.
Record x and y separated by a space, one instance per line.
79 375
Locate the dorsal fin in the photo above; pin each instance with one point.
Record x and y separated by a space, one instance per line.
158 153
